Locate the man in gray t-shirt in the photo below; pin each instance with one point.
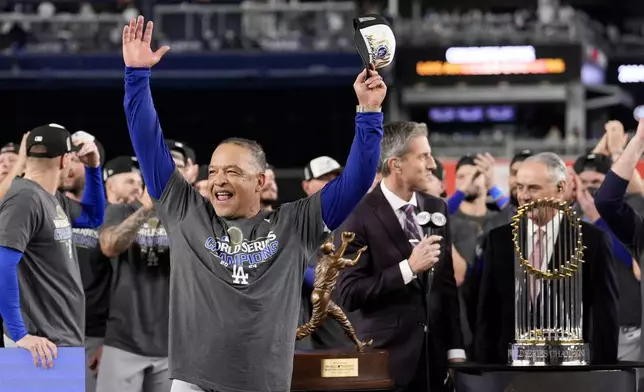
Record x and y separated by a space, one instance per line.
236 271
330 334
41 293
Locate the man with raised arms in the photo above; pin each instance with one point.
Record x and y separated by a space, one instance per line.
237 271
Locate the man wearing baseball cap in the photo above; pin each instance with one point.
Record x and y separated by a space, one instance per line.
135 349
74 183
39 242
318 173
122 184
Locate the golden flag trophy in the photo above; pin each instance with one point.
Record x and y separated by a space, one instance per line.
548 315
329 370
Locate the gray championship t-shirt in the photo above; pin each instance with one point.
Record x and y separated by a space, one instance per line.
139 302
235 290
51 292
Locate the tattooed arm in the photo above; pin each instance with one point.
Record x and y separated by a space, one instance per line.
115 238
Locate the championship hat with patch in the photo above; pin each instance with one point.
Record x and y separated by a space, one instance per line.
374 40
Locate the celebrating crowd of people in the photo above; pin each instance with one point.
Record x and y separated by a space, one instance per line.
179 277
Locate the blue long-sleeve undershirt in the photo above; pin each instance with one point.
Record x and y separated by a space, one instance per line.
454 202
618 215
93 200
342 195
153 154
619 250
338 198
10 293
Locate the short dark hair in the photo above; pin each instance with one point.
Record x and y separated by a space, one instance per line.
255 149
521 156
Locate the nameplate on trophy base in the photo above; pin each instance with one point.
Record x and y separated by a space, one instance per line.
340 370
549 354
340 367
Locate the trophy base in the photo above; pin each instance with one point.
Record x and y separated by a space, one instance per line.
549 354
340 370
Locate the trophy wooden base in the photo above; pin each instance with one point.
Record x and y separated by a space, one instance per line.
340 370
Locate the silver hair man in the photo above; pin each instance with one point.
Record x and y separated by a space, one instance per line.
556 166
395 141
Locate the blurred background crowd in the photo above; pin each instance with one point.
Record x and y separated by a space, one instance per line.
572 66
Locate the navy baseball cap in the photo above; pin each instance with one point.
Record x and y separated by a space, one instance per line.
56 140
120 164
183 149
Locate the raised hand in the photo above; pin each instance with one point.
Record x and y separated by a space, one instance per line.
616 137
136 45
485 164
370 92
89 155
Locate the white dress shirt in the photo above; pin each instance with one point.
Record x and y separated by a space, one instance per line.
407 274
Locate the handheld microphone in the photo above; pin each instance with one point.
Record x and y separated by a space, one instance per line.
430 223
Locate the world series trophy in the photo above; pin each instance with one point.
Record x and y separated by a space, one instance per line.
547 238
337 370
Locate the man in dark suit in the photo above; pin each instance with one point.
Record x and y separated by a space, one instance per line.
389 289
544 176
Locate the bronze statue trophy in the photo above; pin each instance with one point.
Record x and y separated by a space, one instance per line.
326 276
336 370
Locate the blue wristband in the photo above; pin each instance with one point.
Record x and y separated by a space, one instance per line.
496 193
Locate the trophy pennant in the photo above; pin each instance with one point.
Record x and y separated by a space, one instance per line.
374 40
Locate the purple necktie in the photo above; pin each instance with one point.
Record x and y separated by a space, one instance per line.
410 223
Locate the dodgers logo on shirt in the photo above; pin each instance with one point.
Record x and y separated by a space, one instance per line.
152 239
85 238
233 250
